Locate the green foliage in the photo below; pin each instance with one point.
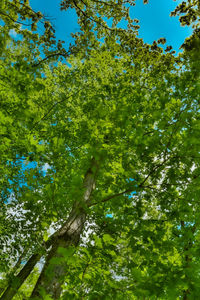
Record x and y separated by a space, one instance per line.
121 103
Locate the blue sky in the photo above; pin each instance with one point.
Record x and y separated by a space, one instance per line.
155 21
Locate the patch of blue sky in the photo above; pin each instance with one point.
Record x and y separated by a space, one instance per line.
109 215
9 189
25 165
133 193
45 169
130 179
64 22
28 165
13 33
155 21
186 224
41 142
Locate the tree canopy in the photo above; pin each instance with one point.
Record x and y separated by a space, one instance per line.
100 157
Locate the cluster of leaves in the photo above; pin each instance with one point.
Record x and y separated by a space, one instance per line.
189 13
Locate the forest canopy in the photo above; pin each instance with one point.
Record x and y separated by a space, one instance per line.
100 153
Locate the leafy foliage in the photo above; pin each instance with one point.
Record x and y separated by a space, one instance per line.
103 150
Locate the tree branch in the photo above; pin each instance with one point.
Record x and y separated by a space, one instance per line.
112 196
49 56
15 21
52 107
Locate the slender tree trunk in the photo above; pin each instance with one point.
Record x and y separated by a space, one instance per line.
11 290
188 260
52 275
19 279
11 274
67 235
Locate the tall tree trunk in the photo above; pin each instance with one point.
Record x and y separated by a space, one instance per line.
52 275
68 234
17 266
11 290
19 279
188 259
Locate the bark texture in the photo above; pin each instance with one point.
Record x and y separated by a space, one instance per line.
52 276
66 236
11 290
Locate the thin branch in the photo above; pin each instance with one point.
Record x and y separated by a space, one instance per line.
105 3
112 196
23 4
52 107
15 21
152 171
49 56
92 19
132 189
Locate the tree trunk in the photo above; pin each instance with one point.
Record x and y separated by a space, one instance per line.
188 259
11 274
52 276
20 278
67 235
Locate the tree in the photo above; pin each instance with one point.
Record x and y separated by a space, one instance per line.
111 144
